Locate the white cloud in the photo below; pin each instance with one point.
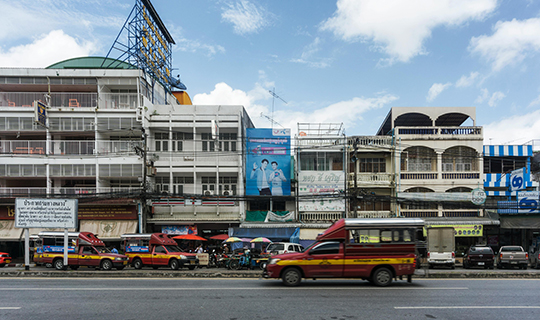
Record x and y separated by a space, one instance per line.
514 130
46 50
258 101
483 96
535 102
436 89
466 81
495 98
510 43
308 54
401 27
246 17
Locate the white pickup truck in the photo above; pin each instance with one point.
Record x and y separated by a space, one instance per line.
510 256
441 246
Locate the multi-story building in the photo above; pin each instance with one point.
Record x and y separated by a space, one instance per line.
104 125
439 168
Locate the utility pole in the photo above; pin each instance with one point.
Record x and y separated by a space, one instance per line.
355 194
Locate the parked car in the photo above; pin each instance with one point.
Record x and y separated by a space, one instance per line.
283 247
4 259
477 256
510 256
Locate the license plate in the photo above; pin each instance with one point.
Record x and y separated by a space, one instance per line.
513 262
192 262
480 263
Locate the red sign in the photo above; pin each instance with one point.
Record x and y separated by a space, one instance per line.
107 212
7 212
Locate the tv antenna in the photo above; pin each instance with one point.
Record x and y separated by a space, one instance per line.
274 96
271 120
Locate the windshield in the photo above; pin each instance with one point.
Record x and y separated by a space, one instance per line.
505 249
104 250
173 249
275 247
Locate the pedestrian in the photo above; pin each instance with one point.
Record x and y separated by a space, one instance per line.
199 249
114 250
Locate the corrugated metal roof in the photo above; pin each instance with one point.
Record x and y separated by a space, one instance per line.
482 221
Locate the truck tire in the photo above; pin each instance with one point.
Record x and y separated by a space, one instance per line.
382 277
173 264
106 265
234 264
192 267
137 263
291 277
58 264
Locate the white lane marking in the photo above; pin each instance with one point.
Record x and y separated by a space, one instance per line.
220 288
10 308
470 307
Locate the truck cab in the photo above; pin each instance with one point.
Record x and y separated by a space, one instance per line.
157 250
86 249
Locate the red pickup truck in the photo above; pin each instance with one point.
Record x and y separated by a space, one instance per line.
157 250
88 251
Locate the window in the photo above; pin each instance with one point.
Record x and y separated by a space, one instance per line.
208 185
160 249
162 141
227 142
459 159
321 161
89 250
178 139
326 248
278 205
227 186
502 165
162 184
208 144
418 159
179 182
372 165
259 205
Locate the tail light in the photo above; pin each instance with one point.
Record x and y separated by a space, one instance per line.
500 256
428 254
453 254
414 263
527 255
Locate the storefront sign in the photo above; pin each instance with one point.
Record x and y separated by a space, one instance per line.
7 213
320 185
179 229
462 230
108 212
46 213
528 201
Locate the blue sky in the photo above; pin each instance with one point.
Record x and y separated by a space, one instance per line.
344 61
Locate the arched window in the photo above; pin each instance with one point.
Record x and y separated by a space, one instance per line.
460 159
418 159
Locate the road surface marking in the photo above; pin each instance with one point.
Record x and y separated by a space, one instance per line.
221 288
10 308
470 307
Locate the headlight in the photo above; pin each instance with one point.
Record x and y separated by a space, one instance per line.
183 256
273 261
118 259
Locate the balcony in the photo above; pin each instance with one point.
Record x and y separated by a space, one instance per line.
440 133
364 179
71 100
458 213
68 147
419 176
79 191
371 142
371 214
320 216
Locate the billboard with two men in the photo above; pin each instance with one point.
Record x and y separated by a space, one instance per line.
268 162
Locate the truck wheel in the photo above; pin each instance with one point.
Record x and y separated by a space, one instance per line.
382 277
191 267
525 267
263 265
137 263
58 264
291 277
173 264
106 265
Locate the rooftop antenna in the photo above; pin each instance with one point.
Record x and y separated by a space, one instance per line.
274 95
272 120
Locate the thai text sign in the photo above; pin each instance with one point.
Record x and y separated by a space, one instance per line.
321 185
46 213
462 230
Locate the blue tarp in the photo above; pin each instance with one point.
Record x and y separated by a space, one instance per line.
274 234
295 238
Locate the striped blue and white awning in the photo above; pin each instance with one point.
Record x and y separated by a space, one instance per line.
508 151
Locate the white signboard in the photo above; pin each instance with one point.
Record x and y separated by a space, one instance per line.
517 181
322 205
321 182
528 201
46 213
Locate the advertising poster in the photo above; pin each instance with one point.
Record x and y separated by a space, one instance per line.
268 161
321 183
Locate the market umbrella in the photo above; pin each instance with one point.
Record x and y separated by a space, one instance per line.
245 239
223 236
261 239
189 237
232 239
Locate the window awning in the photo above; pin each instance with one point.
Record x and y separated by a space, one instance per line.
467 221
109 229
520 222
8 231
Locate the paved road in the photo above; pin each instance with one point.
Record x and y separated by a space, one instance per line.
238 299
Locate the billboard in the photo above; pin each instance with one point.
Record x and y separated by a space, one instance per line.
46 213
321 185
268 162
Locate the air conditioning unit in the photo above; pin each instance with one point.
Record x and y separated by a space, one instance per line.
139 114
226 193
208 193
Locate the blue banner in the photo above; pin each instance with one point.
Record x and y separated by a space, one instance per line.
268 162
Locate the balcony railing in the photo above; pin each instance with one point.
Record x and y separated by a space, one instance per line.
71 100
42 191
368 141
372 214
320 216
68 147
363 179
419 176
461 175
442 132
